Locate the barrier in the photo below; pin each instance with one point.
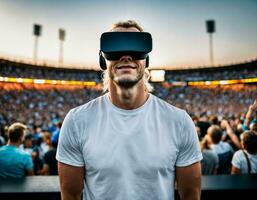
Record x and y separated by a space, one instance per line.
221 187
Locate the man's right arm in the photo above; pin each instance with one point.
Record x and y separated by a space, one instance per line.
29 165
251 110
71 181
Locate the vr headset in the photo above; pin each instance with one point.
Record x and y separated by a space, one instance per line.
114 45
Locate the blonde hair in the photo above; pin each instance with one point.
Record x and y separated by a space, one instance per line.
127 24
146 77
16 131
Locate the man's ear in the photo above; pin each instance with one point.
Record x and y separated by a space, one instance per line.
147 62
102 61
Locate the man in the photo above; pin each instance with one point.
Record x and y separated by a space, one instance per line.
14 162
223 149
128 144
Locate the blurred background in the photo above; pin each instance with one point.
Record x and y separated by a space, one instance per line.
204 60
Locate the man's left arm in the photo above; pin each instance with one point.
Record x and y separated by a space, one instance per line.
189 181
188 166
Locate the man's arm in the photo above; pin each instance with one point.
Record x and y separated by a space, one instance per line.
45 170
71 181
30 172
189 181
231 134
251 110
235 170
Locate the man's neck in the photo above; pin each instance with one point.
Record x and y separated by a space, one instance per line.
17 144
128 98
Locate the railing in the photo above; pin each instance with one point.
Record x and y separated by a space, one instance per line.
220 187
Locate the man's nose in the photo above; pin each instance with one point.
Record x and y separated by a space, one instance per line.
126 58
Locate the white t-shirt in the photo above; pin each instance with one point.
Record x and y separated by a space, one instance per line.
240 162
128 154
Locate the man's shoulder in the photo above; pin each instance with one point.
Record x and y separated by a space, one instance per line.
15 151
22 153
239 154
168 107
87 107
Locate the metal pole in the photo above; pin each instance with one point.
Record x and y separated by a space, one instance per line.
211 50
35 49
61 53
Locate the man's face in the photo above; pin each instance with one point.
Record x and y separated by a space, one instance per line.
126 72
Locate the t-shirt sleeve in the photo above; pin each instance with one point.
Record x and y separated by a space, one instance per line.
28 162
189 146
237 160
69 148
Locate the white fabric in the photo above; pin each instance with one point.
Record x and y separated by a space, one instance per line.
221 147
239 161
128 154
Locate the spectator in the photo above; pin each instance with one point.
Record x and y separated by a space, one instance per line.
27 145
230 134
50 162
210 161
223 149
45 145
56 133
245 160
14 162
31 147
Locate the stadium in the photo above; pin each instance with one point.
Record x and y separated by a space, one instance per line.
220 98
51 92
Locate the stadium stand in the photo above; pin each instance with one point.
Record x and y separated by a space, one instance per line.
21 70
230 72
40 97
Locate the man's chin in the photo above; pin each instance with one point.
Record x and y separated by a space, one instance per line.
126 83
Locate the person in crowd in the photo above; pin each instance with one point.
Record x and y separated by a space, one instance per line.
222 149
27 145
14 162
229 134
128 143
56 133
50 162
30 145
251 115
46 143
245 160
210 161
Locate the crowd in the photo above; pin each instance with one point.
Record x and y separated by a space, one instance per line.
234 72
219 113
225 118
223 101
18 70
240 71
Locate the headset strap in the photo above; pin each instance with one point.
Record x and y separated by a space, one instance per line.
248 162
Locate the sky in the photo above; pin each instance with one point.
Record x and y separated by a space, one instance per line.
177 27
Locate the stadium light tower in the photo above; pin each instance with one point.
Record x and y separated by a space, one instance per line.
61 38
210 28
37 31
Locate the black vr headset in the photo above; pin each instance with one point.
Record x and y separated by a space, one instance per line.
114 45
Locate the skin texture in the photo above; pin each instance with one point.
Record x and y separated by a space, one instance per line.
189 181
71 181
235 170
127 91
127 70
